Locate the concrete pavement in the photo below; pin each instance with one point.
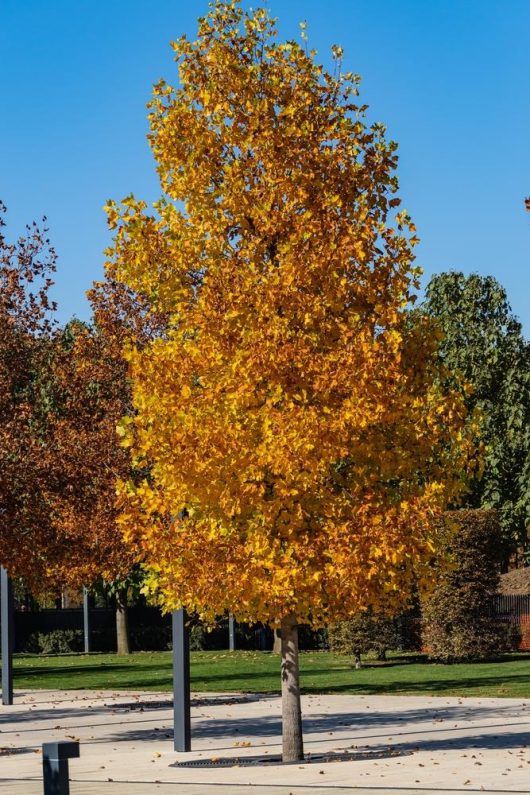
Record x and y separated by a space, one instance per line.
396 744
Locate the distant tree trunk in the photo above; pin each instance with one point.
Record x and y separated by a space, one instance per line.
292 741
277 642
122 623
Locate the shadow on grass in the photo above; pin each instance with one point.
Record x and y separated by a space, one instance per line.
428 687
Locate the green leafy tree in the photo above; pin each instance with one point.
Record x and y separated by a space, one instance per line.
483 342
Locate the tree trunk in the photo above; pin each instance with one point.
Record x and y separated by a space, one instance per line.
122 623
293 748
277 642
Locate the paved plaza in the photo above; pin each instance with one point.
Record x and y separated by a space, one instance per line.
388 744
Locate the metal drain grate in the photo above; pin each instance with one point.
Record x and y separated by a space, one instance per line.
276 759
6 751
145 706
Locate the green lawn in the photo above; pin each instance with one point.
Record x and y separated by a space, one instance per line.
321 672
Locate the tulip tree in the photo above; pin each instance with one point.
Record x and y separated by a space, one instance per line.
289 416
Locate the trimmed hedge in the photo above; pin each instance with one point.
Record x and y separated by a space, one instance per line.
457 621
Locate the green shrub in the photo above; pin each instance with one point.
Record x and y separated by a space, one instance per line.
60 641
362 634
457 623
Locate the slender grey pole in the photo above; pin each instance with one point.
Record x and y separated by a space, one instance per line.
231 632
181 683
86 620
55 758
8 635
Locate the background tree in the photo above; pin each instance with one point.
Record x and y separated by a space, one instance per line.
26 526
63 391
290 415
483 341
363 633
92 394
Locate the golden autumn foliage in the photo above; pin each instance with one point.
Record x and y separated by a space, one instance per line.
290 415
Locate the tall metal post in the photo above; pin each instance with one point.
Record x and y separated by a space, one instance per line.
87 629
55 758
181 683
7 607
231 632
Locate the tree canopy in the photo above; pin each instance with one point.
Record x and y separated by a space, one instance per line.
63 391
290 416
26 525
483 342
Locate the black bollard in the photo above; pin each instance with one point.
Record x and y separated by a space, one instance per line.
55 758
8 635
181 683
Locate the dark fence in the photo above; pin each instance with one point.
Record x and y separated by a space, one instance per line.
150 630
514 609
145 623
61 629
511 605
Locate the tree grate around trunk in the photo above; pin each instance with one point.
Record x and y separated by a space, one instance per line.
276 759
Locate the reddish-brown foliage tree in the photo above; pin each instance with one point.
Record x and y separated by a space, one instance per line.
63 392
26 529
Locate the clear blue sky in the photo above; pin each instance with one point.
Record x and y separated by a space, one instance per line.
450 79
